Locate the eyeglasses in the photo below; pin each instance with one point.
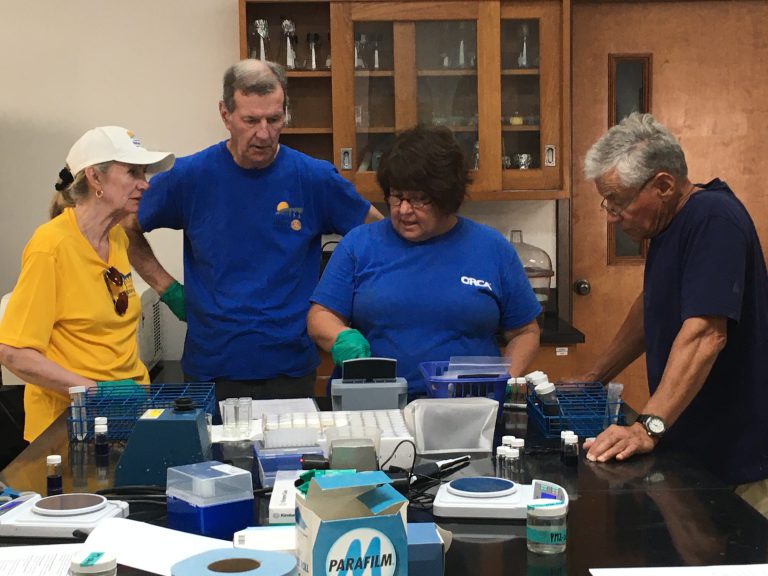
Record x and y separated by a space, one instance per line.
617 212
112 277
395 201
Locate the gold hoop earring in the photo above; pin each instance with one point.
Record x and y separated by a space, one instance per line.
99 193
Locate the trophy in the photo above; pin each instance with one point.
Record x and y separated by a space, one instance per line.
262 31
314 43
289 31
522 59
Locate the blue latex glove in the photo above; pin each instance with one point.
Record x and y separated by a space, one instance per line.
174 299
349 344
121 389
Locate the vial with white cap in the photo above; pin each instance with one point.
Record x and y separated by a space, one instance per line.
548 398
571 450
545 526
53 475
101 444
89 562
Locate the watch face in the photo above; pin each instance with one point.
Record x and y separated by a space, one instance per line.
655 425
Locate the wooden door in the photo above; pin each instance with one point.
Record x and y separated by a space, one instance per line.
722 137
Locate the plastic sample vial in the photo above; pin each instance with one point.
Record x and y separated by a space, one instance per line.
100 420
571 450
229 417
87 562
563 435
53 475
549 403
101 444
78 412
244 415
545 526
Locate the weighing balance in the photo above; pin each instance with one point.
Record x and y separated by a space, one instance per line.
57 516
491 497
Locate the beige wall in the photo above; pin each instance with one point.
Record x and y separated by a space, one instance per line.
154 66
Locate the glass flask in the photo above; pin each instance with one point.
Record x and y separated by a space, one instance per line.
537 265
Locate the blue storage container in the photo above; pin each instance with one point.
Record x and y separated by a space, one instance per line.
439 385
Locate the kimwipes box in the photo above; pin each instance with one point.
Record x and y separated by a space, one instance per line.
351 524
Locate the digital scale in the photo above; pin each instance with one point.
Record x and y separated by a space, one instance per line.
57 516
491 497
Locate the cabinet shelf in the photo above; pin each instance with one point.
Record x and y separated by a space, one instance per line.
306 130
447 72
374 73
375 130
520 72
308 73
521 128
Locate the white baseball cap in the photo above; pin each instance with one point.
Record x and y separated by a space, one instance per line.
113 143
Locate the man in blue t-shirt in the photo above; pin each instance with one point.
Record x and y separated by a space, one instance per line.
253 212
701 318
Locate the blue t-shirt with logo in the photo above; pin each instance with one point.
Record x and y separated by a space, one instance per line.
251 255
426 301
708 262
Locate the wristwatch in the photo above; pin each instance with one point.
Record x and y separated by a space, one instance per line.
654 425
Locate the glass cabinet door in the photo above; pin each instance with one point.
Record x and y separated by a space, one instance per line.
446 72
374 100
531 97
408 63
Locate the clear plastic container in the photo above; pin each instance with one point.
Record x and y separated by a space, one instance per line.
546 526
537 265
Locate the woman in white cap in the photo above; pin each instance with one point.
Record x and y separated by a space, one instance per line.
73 316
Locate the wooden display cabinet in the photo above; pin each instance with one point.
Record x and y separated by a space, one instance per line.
494 72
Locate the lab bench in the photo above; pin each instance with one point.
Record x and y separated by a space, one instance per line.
653 510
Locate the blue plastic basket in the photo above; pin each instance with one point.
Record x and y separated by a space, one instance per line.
123 404
482 386
584 408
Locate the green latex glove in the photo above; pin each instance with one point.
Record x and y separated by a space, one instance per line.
349 344
174 299
121 389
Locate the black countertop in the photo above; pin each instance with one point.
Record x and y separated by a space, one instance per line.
654 510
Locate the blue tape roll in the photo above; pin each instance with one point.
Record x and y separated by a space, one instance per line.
236 561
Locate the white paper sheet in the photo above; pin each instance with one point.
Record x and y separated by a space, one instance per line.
147 547
47 560
736 570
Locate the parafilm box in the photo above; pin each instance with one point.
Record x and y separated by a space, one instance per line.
351 524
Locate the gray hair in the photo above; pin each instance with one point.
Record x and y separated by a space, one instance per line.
78 190
253 77
638 147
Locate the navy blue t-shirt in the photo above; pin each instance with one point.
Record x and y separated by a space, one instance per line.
709 262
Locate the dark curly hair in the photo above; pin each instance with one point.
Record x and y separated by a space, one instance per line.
426 159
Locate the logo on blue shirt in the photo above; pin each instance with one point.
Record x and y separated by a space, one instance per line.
468 280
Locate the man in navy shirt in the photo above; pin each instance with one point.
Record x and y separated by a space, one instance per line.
701 318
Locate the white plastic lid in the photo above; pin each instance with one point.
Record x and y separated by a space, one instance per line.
76 390
546 508
53 459
518 443
100 420
544 388
100 428
534 374
565 433
513 452
507 440
88 561
571 439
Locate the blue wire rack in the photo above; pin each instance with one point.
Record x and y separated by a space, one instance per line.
123 405
583 408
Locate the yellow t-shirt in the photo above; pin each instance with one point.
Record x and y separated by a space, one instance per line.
63 308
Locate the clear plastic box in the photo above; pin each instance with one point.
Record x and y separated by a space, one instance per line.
271 460
209 498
